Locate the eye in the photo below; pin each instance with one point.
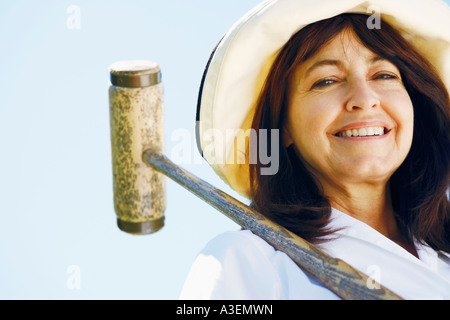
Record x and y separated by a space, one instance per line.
386 76
323 83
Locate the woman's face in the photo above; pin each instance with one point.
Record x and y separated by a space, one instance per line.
349 115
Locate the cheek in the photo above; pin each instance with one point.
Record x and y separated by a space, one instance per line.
307 127
402 112
314 114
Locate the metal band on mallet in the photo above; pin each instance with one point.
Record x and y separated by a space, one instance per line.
137 123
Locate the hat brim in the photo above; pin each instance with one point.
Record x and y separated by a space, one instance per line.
240 63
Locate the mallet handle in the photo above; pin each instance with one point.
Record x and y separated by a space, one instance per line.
335 274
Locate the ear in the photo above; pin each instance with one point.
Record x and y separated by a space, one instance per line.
287 140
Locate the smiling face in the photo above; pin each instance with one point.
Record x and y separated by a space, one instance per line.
349 115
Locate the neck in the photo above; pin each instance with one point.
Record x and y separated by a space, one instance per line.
372 205
367 202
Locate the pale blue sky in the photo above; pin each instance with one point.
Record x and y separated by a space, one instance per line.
56 206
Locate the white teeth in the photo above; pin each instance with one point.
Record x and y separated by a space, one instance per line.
362 132
379 131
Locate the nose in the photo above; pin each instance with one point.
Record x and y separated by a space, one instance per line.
361 96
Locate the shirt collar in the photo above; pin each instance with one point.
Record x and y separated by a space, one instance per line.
349 226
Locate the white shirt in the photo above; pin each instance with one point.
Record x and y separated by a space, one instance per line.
240 265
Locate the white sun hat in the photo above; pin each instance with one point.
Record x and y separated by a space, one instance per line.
240 63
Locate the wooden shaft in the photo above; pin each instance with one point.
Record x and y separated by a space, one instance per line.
345 281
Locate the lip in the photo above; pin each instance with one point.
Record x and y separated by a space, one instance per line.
363 124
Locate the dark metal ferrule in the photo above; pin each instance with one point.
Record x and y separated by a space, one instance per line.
141 228
135 74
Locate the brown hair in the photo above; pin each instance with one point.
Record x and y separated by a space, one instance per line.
295 200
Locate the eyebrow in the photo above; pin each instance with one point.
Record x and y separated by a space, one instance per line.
321 63
338 63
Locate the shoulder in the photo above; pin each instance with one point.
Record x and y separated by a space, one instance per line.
241 265
242 242
233 265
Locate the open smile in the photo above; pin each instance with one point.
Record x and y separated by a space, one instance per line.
363 132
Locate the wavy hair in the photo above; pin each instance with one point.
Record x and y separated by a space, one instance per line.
419 187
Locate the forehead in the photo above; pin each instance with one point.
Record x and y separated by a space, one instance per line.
345 46
343 42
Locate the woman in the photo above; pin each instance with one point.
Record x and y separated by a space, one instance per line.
363 163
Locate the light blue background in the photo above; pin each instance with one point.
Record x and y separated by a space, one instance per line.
56 203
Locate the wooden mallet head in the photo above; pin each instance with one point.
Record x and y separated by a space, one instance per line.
137 124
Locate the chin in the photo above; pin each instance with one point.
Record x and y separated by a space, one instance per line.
371 172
